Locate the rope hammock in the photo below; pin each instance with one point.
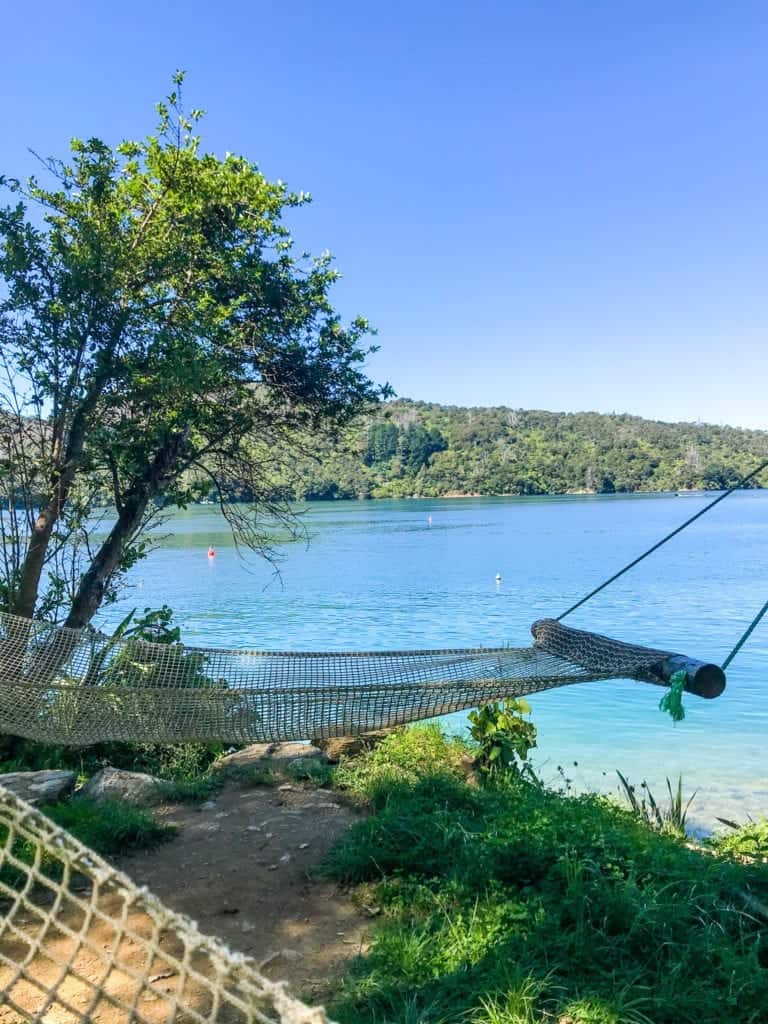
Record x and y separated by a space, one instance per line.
76 687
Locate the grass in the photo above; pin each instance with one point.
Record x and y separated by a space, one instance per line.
171 762
671 818
312 770
404 757
253 775
193 789
109 827
513 904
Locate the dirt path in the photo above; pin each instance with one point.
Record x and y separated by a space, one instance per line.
239 867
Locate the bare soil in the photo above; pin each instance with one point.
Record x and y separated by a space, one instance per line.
242 867
243 870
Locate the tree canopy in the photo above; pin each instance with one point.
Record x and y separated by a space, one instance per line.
158 333
406 448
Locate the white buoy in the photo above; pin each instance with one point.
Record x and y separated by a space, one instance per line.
498 577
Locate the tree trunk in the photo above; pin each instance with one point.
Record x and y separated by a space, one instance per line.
61 484
163 468
49 660
32 568
90 593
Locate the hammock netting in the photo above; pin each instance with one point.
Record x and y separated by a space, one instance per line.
79 942
77 687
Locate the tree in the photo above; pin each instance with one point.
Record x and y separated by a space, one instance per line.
156 327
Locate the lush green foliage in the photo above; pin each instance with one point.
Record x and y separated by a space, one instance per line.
749 840
504 736
403 758
109 827
414 448
512 904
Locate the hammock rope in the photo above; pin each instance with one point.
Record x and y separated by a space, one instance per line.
745 636
636 561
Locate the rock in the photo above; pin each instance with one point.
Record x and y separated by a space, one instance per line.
115 784
271 755
350 746
39 787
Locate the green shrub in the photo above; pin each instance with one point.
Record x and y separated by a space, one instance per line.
405 757
504 737
750 840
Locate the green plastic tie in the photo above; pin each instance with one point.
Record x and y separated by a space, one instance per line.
672 701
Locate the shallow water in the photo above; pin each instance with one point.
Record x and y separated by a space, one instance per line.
378 575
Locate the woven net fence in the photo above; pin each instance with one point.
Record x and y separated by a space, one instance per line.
78 687
79 942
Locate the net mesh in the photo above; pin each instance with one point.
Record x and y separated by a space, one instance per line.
79 686
79 942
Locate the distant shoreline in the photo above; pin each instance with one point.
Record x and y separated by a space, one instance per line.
463 496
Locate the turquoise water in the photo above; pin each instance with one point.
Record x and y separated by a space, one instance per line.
377 575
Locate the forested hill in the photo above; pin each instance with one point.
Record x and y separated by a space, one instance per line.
418 449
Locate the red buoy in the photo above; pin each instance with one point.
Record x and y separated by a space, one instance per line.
211 553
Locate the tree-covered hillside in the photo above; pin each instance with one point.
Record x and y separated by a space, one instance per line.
408 448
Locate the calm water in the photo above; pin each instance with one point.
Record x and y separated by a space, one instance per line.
377 575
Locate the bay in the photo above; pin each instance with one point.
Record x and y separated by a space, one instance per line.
422 574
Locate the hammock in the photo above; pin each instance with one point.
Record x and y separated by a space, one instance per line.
76 687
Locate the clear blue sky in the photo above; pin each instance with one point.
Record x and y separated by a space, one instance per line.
544 205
